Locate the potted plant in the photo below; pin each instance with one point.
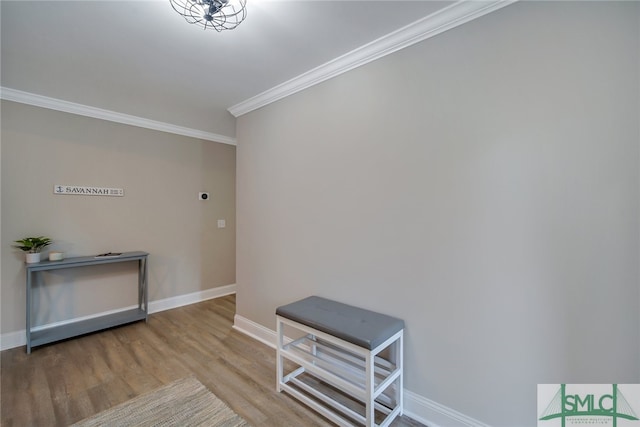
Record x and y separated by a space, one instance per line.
32 246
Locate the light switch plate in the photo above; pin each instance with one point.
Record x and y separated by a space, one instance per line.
222 223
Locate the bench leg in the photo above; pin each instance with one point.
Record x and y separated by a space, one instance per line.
279 358
395 357
369 385
401 365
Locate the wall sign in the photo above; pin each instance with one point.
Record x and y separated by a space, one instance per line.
87 191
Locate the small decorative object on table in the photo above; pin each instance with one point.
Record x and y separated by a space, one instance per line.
109 255
56 256
32 246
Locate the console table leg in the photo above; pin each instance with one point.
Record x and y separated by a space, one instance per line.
140 282
144 285
28 311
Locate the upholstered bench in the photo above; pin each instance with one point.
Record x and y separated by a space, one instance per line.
339 346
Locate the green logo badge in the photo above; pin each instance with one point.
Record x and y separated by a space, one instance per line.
588 405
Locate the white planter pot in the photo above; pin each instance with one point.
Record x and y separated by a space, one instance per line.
31 258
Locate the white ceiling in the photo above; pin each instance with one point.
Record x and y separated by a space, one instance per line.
142 59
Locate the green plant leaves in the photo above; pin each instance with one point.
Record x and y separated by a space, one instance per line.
32 244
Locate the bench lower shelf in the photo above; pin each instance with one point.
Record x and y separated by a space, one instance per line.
339 407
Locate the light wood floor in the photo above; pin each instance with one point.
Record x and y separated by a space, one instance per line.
61 383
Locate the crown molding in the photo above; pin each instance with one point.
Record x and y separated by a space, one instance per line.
112 116
444 19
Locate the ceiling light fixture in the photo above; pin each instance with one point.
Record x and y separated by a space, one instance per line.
217 14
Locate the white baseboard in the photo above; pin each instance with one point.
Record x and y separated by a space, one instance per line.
192 298
418 407
255 330
434 414
19 338
13 339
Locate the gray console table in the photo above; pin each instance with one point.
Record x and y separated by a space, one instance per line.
45 336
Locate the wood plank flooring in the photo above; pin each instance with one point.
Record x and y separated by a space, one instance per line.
62 383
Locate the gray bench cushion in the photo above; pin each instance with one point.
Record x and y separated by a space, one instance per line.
358 326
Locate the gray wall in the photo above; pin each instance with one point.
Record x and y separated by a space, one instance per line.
160 213
484 185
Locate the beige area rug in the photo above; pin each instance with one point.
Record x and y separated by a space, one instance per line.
183 403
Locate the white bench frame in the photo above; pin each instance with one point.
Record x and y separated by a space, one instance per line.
361 373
